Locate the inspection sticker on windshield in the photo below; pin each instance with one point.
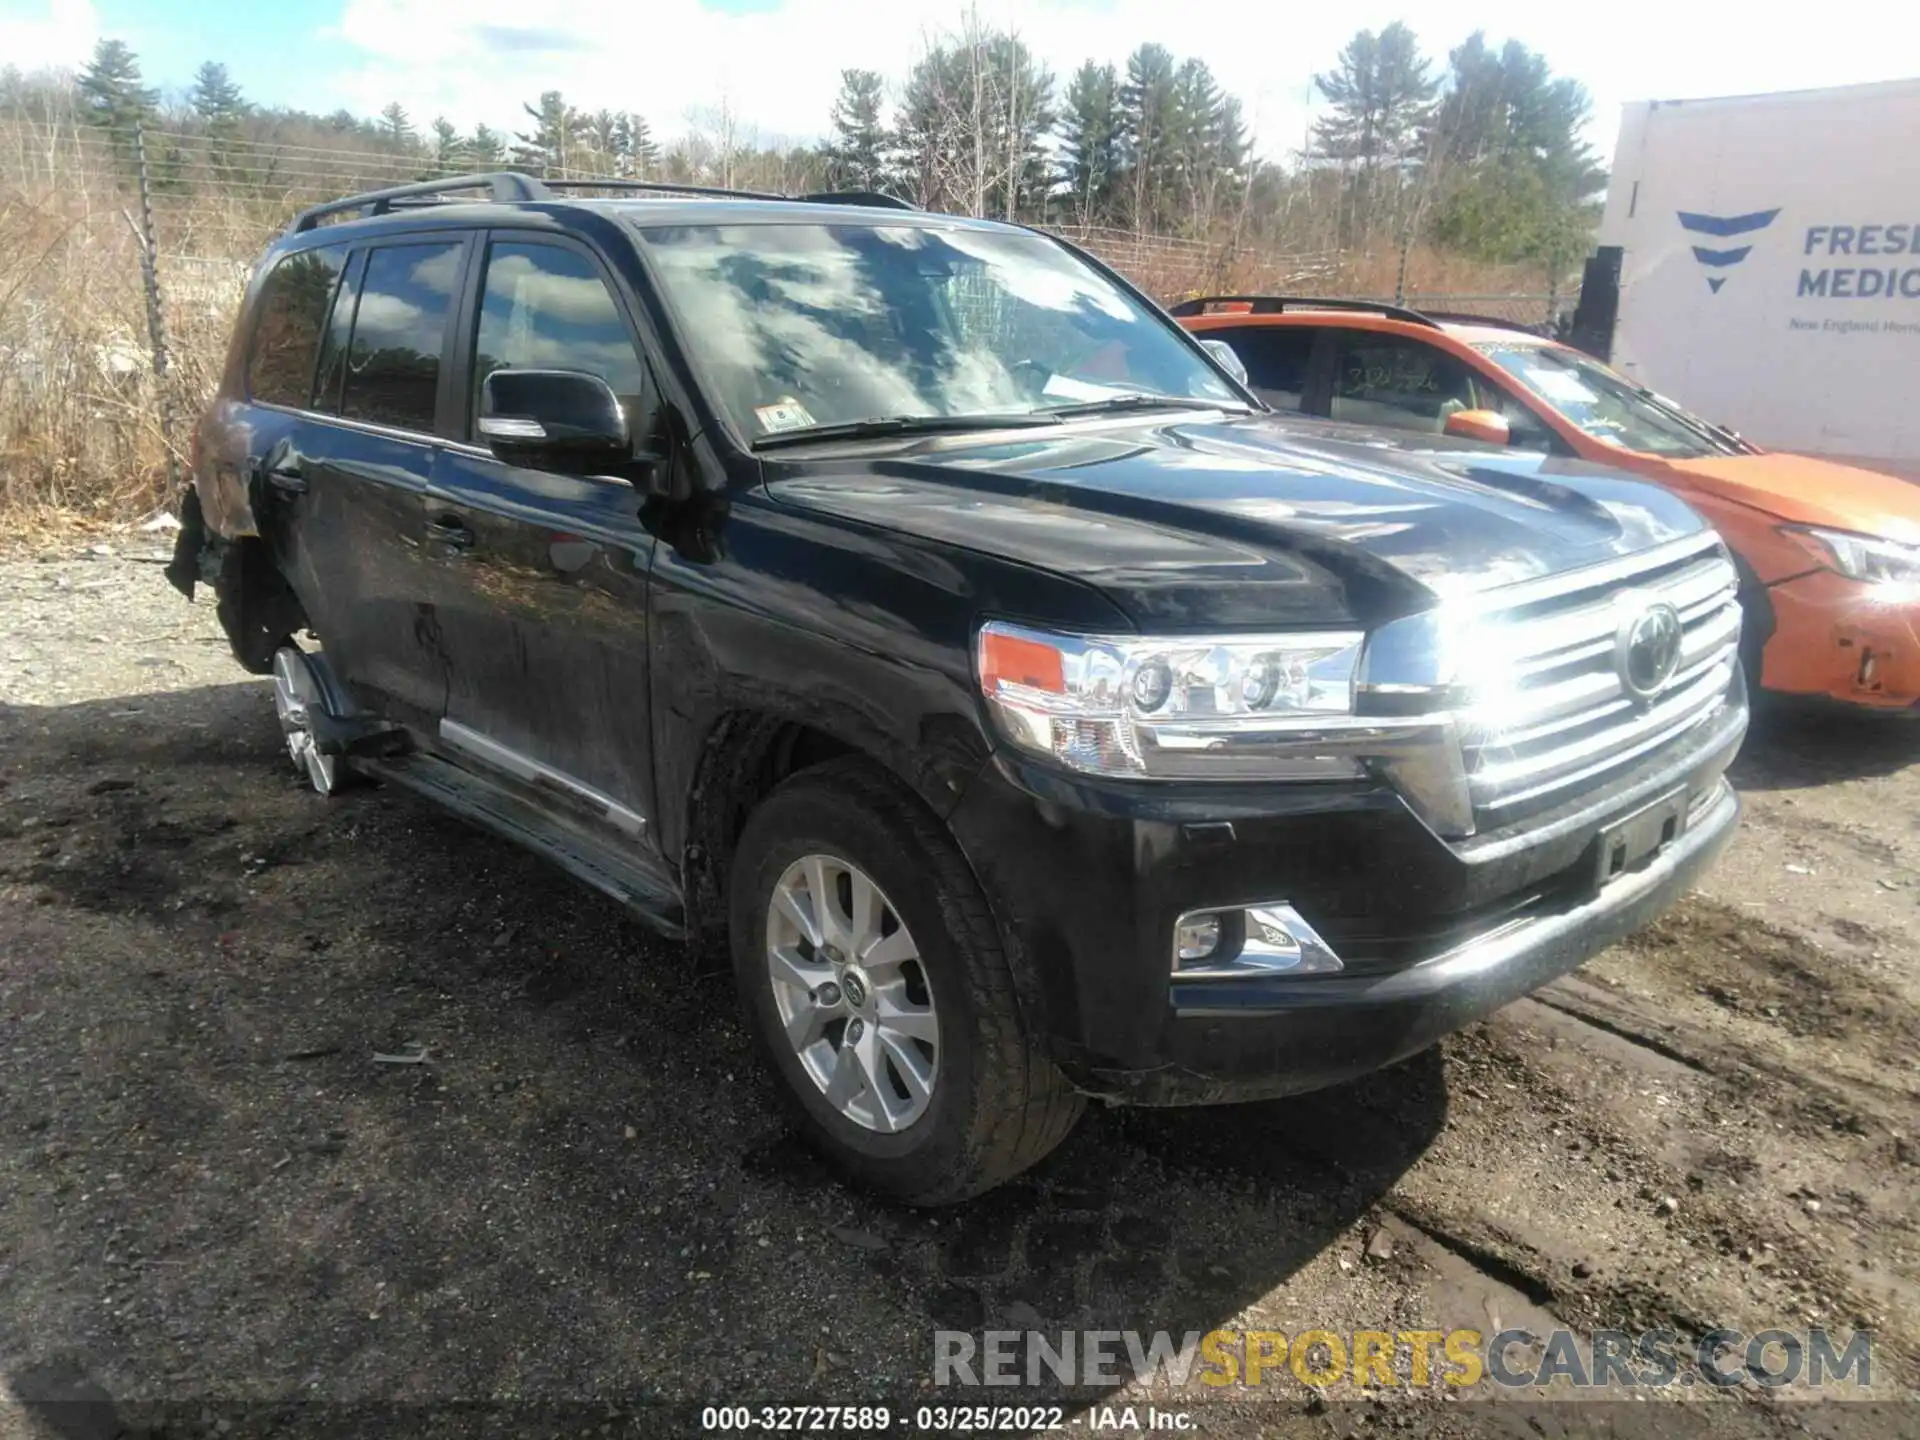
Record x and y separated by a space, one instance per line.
788 414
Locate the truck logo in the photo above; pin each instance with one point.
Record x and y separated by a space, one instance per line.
1647 647
1723 227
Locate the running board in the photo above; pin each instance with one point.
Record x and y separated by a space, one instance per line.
640 886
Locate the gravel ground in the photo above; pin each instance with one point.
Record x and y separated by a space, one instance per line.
217 1202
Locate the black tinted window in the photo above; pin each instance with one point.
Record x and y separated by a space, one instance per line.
393 363
290 315
1405 384
1277 359
545 307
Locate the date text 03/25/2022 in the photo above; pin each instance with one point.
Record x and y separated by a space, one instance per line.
934 1419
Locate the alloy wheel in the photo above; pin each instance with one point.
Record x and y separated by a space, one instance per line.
852 993
295 694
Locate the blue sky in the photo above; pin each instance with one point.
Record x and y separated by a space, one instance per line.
172 38
773 65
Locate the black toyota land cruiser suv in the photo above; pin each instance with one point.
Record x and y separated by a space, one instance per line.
907 604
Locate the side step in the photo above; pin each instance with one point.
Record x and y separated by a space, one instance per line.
628 878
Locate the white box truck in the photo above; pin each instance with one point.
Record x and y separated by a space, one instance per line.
1768 252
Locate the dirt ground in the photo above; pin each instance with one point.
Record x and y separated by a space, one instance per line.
221 1211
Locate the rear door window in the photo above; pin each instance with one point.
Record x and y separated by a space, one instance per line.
1279 360
399 331
1403 384
291 313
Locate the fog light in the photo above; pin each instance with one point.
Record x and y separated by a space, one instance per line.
1260 942
1198 938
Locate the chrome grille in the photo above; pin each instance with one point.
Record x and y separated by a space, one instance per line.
1552 710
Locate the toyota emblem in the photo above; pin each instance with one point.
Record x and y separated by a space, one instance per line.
1647 648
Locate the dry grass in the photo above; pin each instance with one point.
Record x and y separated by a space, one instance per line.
79 427
81 407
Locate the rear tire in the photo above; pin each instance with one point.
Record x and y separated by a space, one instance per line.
951 1095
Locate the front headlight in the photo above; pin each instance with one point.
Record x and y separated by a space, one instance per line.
1224 707
1863 557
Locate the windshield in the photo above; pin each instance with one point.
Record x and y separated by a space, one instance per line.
803 326
1605 405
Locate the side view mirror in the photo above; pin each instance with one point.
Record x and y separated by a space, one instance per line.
564 420
1488 426
1227 357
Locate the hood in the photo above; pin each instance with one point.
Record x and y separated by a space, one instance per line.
1806 491
1192 523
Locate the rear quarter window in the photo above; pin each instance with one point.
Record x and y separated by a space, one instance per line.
288 320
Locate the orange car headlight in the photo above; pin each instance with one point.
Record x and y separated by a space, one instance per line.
1861 557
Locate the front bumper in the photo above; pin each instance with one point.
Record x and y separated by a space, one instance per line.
1089 881
1844 640
1276 1039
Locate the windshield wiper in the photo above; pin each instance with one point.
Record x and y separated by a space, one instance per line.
883 425
1136 400
1706 429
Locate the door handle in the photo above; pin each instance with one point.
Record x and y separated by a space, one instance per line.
450 532
284 476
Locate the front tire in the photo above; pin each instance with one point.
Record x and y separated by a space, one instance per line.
872 971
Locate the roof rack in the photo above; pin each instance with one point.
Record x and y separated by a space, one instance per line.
668 187
1461 317
658 187
500 185
514 187
871 198
1277 304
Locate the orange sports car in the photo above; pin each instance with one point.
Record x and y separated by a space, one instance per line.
1829 554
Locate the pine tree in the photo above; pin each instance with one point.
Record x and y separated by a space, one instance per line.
223 110
396 127
634 153
602 143
1192 134
485 150
1515 181
1021 118
449 149
643 155
1090 137
1146 125
856 157
214 96
1381 99
112 96
557 141
927 135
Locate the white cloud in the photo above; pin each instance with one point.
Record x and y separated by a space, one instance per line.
476 60
59 34
386 318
